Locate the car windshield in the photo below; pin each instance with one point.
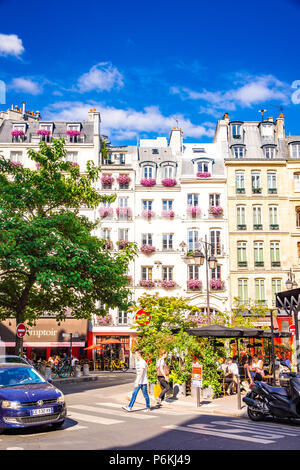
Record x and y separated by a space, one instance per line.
13 376
11 359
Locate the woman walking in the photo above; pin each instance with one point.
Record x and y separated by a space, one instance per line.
162 375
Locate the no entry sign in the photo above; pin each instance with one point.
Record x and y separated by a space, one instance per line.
142 317
292 329
21 330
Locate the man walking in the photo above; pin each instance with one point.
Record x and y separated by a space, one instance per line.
141 382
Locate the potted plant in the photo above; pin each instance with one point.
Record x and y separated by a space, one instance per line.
194 211
146 283
16 164
107 180
148 214
124 211
148 182
123 180
217 284
122 244
105 211
178 380
216 210
148 249
194 284
169 182
204 174
168 284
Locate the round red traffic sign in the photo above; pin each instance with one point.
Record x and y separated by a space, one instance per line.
142 317
292 329
21 330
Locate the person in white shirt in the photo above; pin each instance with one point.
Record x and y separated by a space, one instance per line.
141 382
74 360
231 374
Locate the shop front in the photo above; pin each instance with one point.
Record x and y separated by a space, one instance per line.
115 345
47 338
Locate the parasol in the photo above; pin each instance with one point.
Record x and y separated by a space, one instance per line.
111 341
94 346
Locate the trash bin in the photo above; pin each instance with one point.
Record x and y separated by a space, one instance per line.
86 369
77 371
47 373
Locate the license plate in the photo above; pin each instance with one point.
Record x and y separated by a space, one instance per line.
41 411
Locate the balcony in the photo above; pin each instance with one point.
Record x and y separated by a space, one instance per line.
257 227
256 190
240 190
194 285
275 263
272 190
274 227
259 264
242 264
242 227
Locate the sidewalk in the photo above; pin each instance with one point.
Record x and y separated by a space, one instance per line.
93 376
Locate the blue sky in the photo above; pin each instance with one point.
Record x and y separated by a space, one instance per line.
144 65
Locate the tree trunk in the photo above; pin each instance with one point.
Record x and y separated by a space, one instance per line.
19 341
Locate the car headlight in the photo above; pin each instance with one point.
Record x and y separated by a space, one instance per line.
61 399
11 404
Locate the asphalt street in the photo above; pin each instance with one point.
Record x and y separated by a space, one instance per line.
96 421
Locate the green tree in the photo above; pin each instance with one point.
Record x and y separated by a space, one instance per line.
247 314
49 261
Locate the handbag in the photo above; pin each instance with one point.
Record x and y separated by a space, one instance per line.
165 369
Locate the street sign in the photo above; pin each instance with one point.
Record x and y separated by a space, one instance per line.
142 317
21 330
197 383
292 329
197 371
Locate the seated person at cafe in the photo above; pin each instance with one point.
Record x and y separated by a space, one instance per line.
231 374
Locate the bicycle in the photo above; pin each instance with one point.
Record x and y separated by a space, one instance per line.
62 369
118 365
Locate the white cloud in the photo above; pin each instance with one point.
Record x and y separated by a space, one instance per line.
122 124
101 77
25 85
10 44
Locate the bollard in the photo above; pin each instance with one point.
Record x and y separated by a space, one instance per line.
77 371
47 373
86 370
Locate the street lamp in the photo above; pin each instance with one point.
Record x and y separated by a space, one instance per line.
290 282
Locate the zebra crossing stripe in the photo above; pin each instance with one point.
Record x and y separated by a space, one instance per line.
158 411
98 409
94 419
77 427
260 428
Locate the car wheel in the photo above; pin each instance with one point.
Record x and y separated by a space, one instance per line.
57 425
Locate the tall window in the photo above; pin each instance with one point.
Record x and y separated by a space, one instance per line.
202 167
147 239
259 253
243 290
72 157
260 290
146 273
295 150
148 172
192 200
298 217
167 205
273 217
241 216
123 201
275 253
238 152
276 287
193 271
214 200
240 181
168 171
147 205
236 130
123 233
257 218
193 240
215 240
255 178
122 158
167 273
167 240
16 157
296 181
122 317
272 181
242 253
216 273
106 233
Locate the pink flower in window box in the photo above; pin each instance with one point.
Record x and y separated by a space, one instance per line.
148 249
205 174
17 133
75 164
148 182
129 279
107 320
216 210
217 284
168 214
169 182
16 164
147 214
146 283
123 179
168 284
44 132
107 179
105 211
73 133
194 211
124 211
194 284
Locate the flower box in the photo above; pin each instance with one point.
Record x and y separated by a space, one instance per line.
105 211
169 182
272 190
242 227
274 227
194 284
242 264
240 190
108 244
43 132
107 180
275 263
122 244
168 214
146 283
194 211
168 284
148 182
259 263
123 179
205 174
16 164
216 210
256 190
217 284
124 212
148 249
17 133
103 321
257 226
73 133
147 214
75 164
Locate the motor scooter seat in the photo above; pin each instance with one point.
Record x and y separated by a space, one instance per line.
277 390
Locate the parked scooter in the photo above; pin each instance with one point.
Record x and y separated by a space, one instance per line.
281 402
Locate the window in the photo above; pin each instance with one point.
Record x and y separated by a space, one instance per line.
202 167
257 219
122 158
298 249
146 273
16 157
167 273
258 253
73 127
168 171
216 273
260 290
167 205
295 150
269 152
215 240
193 271
236 131
123 233
192 200
240 181
155 151
298 217
193 240
243 290
106 233
214 200
241 217
147 205
272 182
199 150
296 181
148 172
276 287
72 157
275 253
255 178
273 217
123 201
122 318
238 152
147 239
242 253
167 240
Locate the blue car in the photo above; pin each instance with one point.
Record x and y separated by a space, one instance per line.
27 399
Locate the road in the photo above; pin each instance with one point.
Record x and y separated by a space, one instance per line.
96 421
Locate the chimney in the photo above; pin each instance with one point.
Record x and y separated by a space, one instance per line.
175 141
23 106
279 127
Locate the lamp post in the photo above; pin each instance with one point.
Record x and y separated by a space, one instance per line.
292 284
211 261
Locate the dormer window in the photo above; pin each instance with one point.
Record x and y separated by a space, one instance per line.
155 151
148 172
18 132
269 151
199 150
73 131
238 151
295 150
203 167
236 131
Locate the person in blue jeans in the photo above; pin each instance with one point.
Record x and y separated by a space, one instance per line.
141 382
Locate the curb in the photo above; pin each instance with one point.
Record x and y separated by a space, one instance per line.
88 378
